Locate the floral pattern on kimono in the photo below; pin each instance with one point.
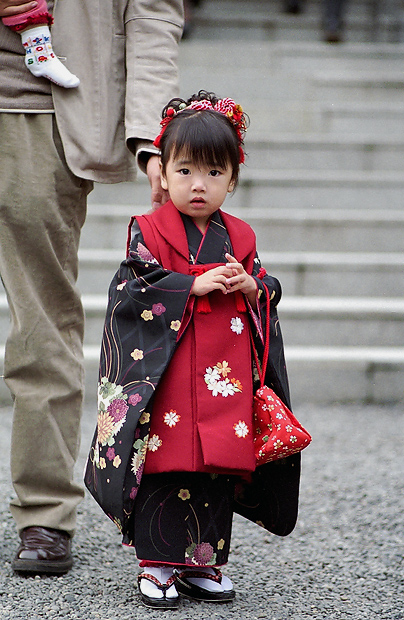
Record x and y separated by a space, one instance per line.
149 308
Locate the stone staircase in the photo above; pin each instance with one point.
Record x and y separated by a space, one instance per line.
323 188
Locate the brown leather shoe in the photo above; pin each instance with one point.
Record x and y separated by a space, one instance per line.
43 551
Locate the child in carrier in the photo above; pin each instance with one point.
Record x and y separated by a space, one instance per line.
40 59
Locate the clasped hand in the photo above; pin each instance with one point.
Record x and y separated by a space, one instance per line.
227 278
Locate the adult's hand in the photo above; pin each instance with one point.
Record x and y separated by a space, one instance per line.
159 196
15 7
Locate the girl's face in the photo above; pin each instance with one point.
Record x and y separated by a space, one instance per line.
197 191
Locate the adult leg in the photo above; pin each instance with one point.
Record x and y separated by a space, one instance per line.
42 210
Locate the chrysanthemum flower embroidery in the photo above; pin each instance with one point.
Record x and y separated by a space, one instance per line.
158 309
138 458
278 444
289 428
118 409
145 254
105 426
121 285
241 429
103 463
154 443
293 439
223 368
204 554
184 494
147 315
171 418
137 354
279 416
175 325
236 325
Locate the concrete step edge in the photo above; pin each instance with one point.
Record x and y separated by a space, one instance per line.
96 256
298 306
343 178
365 50
367 142
303 354
359 78
342 216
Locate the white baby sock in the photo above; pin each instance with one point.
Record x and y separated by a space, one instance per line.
41 60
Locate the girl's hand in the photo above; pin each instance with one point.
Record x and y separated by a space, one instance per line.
15 7
212 280
240 280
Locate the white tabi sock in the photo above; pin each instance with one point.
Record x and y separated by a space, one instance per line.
163 575
41 59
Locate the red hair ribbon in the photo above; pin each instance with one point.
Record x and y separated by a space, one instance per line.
228 107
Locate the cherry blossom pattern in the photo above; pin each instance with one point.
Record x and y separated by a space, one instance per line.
236 325
217 381
171 418
137 354
154 443
241 429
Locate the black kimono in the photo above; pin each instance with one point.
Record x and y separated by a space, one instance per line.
149 310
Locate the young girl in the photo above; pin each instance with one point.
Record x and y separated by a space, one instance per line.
33 26
172 457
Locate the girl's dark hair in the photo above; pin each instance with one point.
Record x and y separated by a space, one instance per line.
207 137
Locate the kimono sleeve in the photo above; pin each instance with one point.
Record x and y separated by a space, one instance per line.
270 497
145 312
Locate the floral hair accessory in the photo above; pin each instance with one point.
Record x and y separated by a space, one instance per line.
227 107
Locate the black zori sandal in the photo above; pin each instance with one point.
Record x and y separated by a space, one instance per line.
190 590
158 603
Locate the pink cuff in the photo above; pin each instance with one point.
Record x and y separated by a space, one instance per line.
39 15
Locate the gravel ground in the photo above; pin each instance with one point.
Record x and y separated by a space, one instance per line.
344 559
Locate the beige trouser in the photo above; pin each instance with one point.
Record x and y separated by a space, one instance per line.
42 210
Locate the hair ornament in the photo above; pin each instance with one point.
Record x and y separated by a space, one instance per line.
227 107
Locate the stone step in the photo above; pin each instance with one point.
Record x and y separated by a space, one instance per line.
301 273
327 375
326 189
266 20
356 118
305 321
289 57
294 151
357 86
277 229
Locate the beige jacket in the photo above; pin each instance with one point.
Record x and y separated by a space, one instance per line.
125 54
